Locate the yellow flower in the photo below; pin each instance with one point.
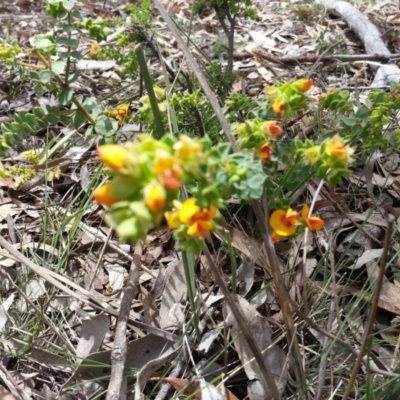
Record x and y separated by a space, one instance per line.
188 210
113 155
186 147
264 152
103 195
123 109
200 220
94 50
155 197
278 106
303 84
283 222
337 149
312 223
172 218
159 92
163 161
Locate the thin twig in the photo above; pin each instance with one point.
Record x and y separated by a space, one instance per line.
281 290
374 307
119 351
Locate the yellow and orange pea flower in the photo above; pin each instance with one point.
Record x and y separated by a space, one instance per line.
155 197
337 149
283 223
103 195
264 152
270 128
278 106
313 223
303 84
120 113
168 170
113 156
189 213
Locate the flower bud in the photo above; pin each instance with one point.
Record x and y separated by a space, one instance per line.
103 195
113 156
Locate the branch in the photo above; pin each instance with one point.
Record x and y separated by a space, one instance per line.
118 354
370 37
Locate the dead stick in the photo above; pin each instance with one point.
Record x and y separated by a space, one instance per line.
118 354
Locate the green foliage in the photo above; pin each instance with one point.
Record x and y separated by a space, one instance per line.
53 76
229 7
370 125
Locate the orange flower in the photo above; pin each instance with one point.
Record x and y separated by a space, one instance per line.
155 197
283 222
120 113
303 84
171 180
200 220
270 128
275 130
113 155
275 237
312 223
264 152
200 228
103 195
278 106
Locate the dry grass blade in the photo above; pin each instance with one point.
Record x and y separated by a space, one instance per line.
266 373
199 74
374 307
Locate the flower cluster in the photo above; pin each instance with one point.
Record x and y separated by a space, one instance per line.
287 98
160 96
331 158
121 113
146 178
258 135
191 219
285 223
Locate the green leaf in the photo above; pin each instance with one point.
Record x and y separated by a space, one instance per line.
89 133
53 114
77 55
58 67
78 119
65 96
46 76
74 77
363 113
77 15
39 90
43 43
106 126
65 41
68 5
90 103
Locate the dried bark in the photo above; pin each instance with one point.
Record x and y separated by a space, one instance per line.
369 35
